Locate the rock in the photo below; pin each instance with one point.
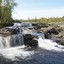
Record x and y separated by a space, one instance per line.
4 32
29 40
53 31
34 43
58 40
47 36
8 31
41 25
13 30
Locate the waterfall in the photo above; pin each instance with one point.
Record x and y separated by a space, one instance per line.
10 41
49 44
12 52
6 41
1 42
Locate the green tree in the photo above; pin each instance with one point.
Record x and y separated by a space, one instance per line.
6 11
0 9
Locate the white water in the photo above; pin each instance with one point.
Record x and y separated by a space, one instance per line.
9 41
12 46
19 51
12 53
49 45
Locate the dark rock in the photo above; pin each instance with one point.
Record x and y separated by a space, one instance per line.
47 36
14 31
34 43
53 31
29 40
41 25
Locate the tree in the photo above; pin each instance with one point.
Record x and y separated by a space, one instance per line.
6 11
0 9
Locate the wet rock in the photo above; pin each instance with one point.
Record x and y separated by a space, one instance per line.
47 36
29 40
34 43
14 31
58 40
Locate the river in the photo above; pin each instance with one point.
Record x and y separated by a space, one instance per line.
47 52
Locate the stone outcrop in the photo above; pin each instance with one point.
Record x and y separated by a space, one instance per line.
41 25
29 40
53 31
49 33
8 31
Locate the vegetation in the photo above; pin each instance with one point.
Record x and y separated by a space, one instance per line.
6 7
46 20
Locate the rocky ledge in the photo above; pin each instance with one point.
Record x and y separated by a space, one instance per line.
8 31
30 40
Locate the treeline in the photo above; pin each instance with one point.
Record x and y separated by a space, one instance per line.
46 20
6 7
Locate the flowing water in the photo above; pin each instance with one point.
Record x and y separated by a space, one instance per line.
49 45
13 51
10 41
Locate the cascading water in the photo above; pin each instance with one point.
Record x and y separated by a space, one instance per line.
49 44
16 40
12 47
8 50
1 42
12 40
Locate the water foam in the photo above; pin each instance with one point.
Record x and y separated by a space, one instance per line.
10 41
12 53
49 44
19 51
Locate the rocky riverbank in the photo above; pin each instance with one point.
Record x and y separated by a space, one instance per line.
38 50
54 32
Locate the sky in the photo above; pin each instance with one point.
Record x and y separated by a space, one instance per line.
38 8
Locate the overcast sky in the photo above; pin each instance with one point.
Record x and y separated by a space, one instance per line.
38 8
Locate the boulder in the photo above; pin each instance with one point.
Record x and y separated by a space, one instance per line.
53 31
34 43
27 38
30 41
